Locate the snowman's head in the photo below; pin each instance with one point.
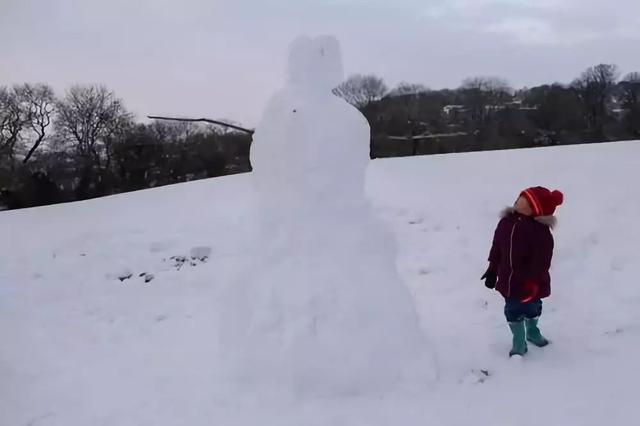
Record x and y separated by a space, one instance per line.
315 65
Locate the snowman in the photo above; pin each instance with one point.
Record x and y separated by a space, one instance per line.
322 310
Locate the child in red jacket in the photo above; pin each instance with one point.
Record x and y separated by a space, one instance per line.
519 263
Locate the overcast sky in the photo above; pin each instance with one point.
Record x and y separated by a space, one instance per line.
223 58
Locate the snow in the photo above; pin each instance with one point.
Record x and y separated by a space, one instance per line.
311 318
81 347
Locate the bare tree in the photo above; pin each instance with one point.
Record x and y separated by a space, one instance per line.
13 118
496 89
630 86
405 88
593 87
91 119
5 118
360 90
633 77
482 94
39 100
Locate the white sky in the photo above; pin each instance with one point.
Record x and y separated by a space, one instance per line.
223 58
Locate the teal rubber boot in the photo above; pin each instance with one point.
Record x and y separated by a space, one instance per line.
533 333
519 340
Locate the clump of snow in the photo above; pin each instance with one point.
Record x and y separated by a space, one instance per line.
147 277
201 253
122 274
315 317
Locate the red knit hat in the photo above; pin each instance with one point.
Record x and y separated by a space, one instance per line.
542 201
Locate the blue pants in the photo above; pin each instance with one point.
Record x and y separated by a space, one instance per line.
516 311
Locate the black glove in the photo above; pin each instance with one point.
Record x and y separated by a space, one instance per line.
490 279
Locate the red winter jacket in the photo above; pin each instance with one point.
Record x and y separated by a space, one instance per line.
521 256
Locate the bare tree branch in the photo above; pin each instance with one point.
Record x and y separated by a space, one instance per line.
40 100
203 120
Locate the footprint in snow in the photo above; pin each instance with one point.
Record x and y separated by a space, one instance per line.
201 253
475 376
617 331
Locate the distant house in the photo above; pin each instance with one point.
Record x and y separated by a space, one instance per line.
519 105
455 112
619 113
616 107
452 109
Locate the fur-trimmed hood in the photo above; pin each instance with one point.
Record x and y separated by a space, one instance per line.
550 221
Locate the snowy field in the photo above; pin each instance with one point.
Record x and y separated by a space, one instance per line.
108 308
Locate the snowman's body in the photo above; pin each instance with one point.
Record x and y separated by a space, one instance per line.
333 317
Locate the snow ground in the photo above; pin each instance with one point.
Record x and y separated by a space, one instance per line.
79 346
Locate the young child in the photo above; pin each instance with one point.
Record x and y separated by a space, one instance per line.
519 263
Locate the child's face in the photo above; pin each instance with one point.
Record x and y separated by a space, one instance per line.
522 207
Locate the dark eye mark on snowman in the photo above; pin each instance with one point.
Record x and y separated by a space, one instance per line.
295 110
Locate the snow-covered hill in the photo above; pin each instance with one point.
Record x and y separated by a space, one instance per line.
108 308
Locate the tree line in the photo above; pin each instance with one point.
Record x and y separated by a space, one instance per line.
86 144
485 113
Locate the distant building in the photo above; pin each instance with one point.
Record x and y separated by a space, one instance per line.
453 109
455 112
